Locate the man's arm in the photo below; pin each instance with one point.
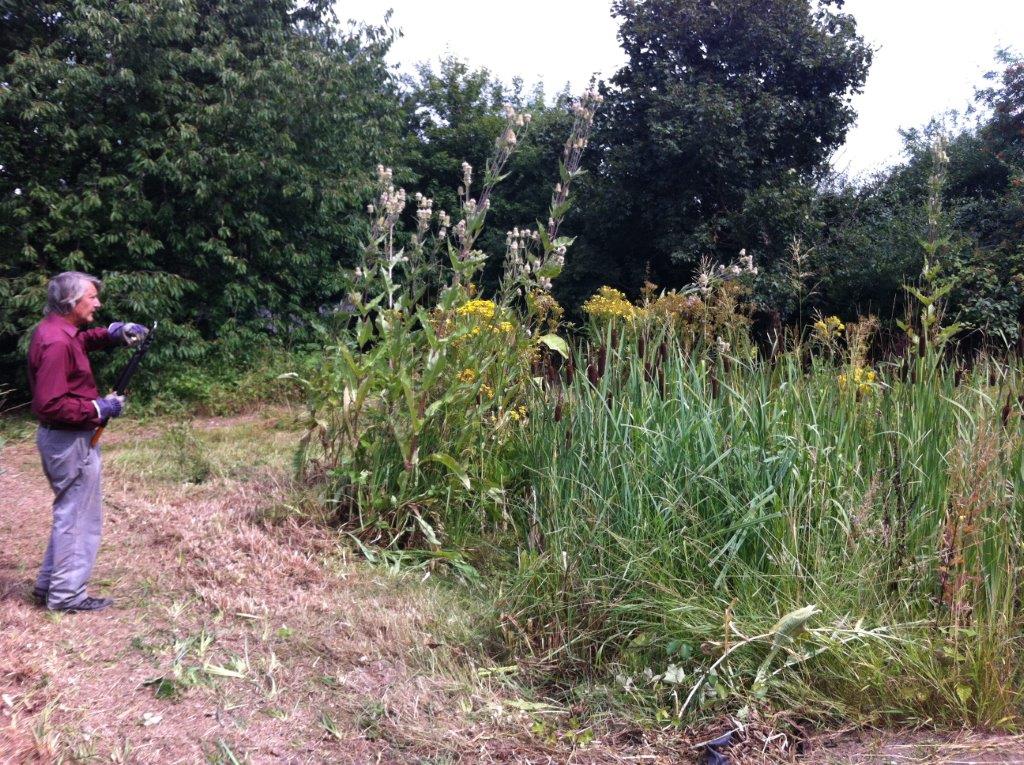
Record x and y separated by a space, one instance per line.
97 338
51 400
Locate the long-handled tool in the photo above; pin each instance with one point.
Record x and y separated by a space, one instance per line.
125 377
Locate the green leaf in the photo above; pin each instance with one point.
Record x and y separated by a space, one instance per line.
427 529
549 270
556 344
364 332
457 470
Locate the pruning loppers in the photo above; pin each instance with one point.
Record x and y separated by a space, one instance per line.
126 375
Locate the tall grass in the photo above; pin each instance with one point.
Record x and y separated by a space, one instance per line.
680 515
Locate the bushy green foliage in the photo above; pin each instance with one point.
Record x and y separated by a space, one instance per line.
870 241
203 158
220 385
712 134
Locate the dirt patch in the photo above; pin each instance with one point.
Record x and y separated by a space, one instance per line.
868 747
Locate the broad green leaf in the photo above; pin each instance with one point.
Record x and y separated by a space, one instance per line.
556 344
457 470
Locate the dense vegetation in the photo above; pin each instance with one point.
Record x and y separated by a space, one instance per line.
725 534
754 473
208 160
212 161
711 527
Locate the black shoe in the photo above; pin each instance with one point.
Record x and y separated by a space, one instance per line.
39 596
86 604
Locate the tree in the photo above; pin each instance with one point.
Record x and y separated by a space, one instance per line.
205 157
986 193
870 244
715 131
458 112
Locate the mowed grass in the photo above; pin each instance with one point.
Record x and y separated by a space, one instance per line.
272 628
175 450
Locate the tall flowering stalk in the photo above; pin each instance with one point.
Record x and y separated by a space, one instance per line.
535 257
474 210
925 330
413 410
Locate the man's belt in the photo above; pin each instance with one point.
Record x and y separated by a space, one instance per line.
65 426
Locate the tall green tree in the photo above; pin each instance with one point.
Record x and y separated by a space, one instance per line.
715 131
205 157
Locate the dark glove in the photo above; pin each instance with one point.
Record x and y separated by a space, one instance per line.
110 405
127 332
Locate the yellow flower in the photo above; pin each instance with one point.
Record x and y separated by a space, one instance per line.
865 381
483 314
828 329
517 414
609 303
468 375
486 391
479 309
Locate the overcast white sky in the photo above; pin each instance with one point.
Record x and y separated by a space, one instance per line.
930 54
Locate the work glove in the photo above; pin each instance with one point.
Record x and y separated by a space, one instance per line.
127 332
109 406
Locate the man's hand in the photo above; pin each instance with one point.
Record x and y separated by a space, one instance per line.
109 406
127 332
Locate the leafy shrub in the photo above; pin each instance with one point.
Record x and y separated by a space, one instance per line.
192 155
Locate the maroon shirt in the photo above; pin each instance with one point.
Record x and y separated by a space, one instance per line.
60 375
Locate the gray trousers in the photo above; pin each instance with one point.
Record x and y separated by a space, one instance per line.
73 470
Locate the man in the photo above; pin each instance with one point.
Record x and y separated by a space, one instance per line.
69 408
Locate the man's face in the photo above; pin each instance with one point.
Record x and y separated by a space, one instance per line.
85 308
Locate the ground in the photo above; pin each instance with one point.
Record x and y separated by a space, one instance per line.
236 639
239 635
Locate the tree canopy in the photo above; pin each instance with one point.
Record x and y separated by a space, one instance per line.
206 158
714 129
211 160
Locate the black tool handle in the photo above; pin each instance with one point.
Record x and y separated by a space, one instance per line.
125 377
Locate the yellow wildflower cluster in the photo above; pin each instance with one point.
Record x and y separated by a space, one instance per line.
863 380
486 391
609 303
517 413
514 414
478 309
499 328
484 311
468 375
828 329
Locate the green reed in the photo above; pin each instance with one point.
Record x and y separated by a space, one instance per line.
683 502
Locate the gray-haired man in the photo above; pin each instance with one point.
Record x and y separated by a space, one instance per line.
68 406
